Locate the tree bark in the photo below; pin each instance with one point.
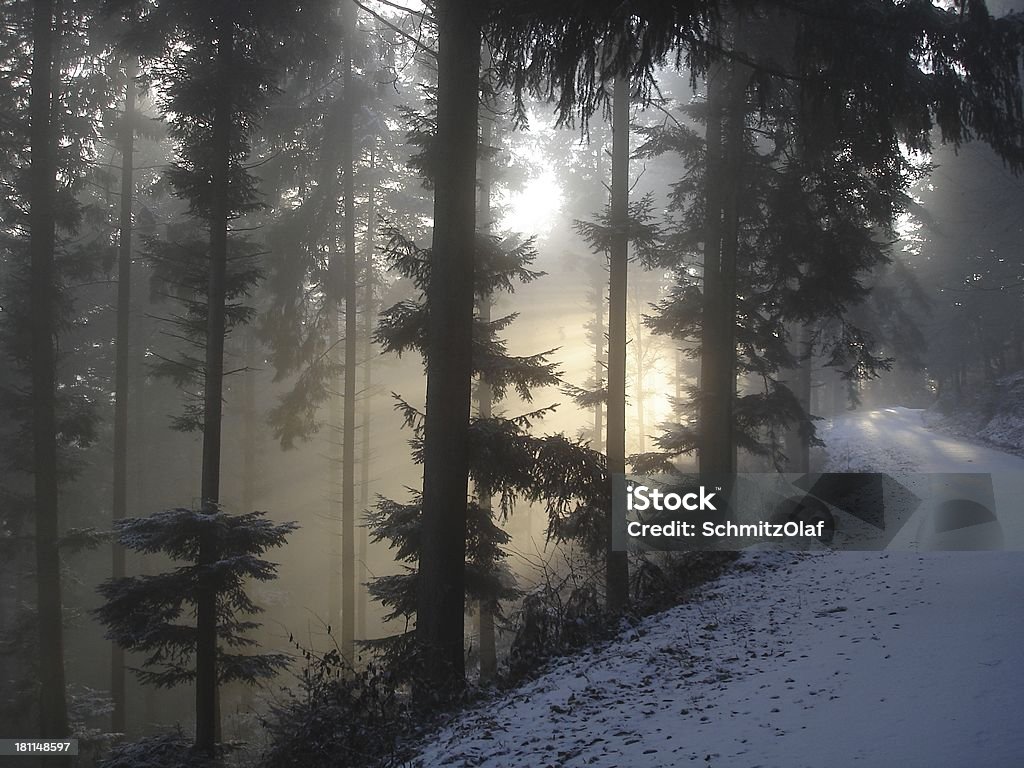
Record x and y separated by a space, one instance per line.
488 653
600 361
142 493
724 134
348 449
330 155
53 718
250 437
369 282
207 716
804 393
121 363
599 364
335 461
616 566
638 360
330 162
441 598
677 378
249 431
715 423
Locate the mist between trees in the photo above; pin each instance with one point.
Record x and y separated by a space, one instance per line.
325 323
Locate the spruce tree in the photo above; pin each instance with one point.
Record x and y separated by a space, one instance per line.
152 614
48 391
42 226
616 563
440 611
215 87
506 460
348 477
621 224
124 349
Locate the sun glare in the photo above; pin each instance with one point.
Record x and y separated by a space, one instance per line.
534 209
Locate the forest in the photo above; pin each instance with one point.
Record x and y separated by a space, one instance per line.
326 327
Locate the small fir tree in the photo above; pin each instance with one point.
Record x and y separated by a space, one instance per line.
153 615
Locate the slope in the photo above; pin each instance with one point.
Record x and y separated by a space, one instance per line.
824 659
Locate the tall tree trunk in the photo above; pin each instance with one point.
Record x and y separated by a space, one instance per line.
249 433
715 422
804 393
250 437
330 160
599 364
638 360
43 138
207 716
724 134
348 459
121 363
441 598
488 653
617 566
677 379
142 493
330 156
335 460
600 361
369 283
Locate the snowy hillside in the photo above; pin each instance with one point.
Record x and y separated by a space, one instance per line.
823 660
834 659
992 413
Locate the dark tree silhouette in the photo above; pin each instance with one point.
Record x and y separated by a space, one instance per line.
351 271
145 613
121 371
503 459
616 563
440 605
214 88
42 232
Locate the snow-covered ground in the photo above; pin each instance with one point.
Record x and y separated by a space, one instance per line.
895 440
826 659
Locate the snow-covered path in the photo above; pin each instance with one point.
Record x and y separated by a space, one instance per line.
827 659
895 440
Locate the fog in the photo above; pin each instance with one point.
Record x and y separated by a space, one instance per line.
875 262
